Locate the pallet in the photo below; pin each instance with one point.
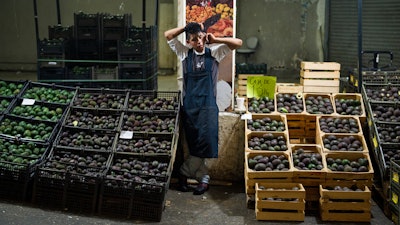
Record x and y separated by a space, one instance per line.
242 84
320 77
349 206
271 206
288 88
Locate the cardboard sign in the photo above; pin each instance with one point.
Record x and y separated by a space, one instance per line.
261 86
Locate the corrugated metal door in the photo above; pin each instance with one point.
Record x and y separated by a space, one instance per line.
381 31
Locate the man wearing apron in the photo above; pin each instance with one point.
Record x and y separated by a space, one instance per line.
199 109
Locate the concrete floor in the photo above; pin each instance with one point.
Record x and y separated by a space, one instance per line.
222 204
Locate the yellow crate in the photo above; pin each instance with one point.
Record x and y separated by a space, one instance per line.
270 203
349 206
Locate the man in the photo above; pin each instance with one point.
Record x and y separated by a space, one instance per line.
199 109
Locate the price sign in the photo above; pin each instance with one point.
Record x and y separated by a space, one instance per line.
261 86
27 101
126 134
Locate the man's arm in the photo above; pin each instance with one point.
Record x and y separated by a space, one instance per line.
232 43
174 32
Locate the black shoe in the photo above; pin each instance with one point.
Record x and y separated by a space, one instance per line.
182 183
200 189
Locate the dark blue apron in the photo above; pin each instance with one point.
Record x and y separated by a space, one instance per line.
200 110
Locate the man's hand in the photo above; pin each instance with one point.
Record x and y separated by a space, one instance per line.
210 38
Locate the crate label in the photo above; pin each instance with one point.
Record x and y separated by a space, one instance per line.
395 198
52 63
375 142
75 123
27 101
126 134
246 116
261 86
395 177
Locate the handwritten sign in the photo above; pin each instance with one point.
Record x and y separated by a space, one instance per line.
261 86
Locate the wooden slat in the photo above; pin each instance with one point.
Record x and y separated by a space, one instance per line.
306 65
320 83
319 74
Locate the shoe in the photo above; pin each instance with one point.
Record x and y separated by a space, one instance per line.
182 183
200 189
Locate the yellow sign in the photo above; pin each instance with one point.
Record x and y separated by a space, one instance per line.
395 198
395 177
261 86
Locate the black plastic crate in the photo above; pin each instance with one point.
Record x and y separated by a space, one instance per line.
109 120
27 129
381 111
79 179
143 144
60 32
49 73
18 162
395 174
153 100
53 93
38 110
243 68
48 47
134 47
136 192
87 33
87 48
88 139
109 49
49 189
79 73
150 122
5 104
113 99
134 73
140 33
104 73
114 34
86 20
12 88
116 21
380 91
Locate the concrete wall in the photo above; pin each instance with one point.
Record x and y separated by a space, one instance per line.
289 31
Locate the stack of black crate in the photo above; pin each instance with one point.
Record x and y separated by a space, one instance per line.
54 51
87 36
137 58
113 29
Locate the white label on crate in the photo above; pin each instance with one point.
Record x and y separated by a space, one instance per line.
126 134
52 63
246 116
27 101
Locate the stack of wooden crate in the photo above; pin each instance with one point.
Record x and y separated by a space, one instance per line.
321 77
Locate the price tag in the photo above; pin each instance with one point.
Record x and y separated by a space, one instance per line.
27 101
246 116
75 123
52 63
126 134
375 142
395 177
395 198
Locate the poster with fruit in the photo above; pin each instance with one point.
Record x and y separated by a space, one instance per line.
217 13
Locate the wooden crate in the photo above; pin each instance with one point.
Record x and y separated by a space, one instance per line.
341 177
319 132
259 116
354 96
288 88
242 83
271 206
358 137
316 95
349 206
252 177
253 134
301 126
321 77
309 177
